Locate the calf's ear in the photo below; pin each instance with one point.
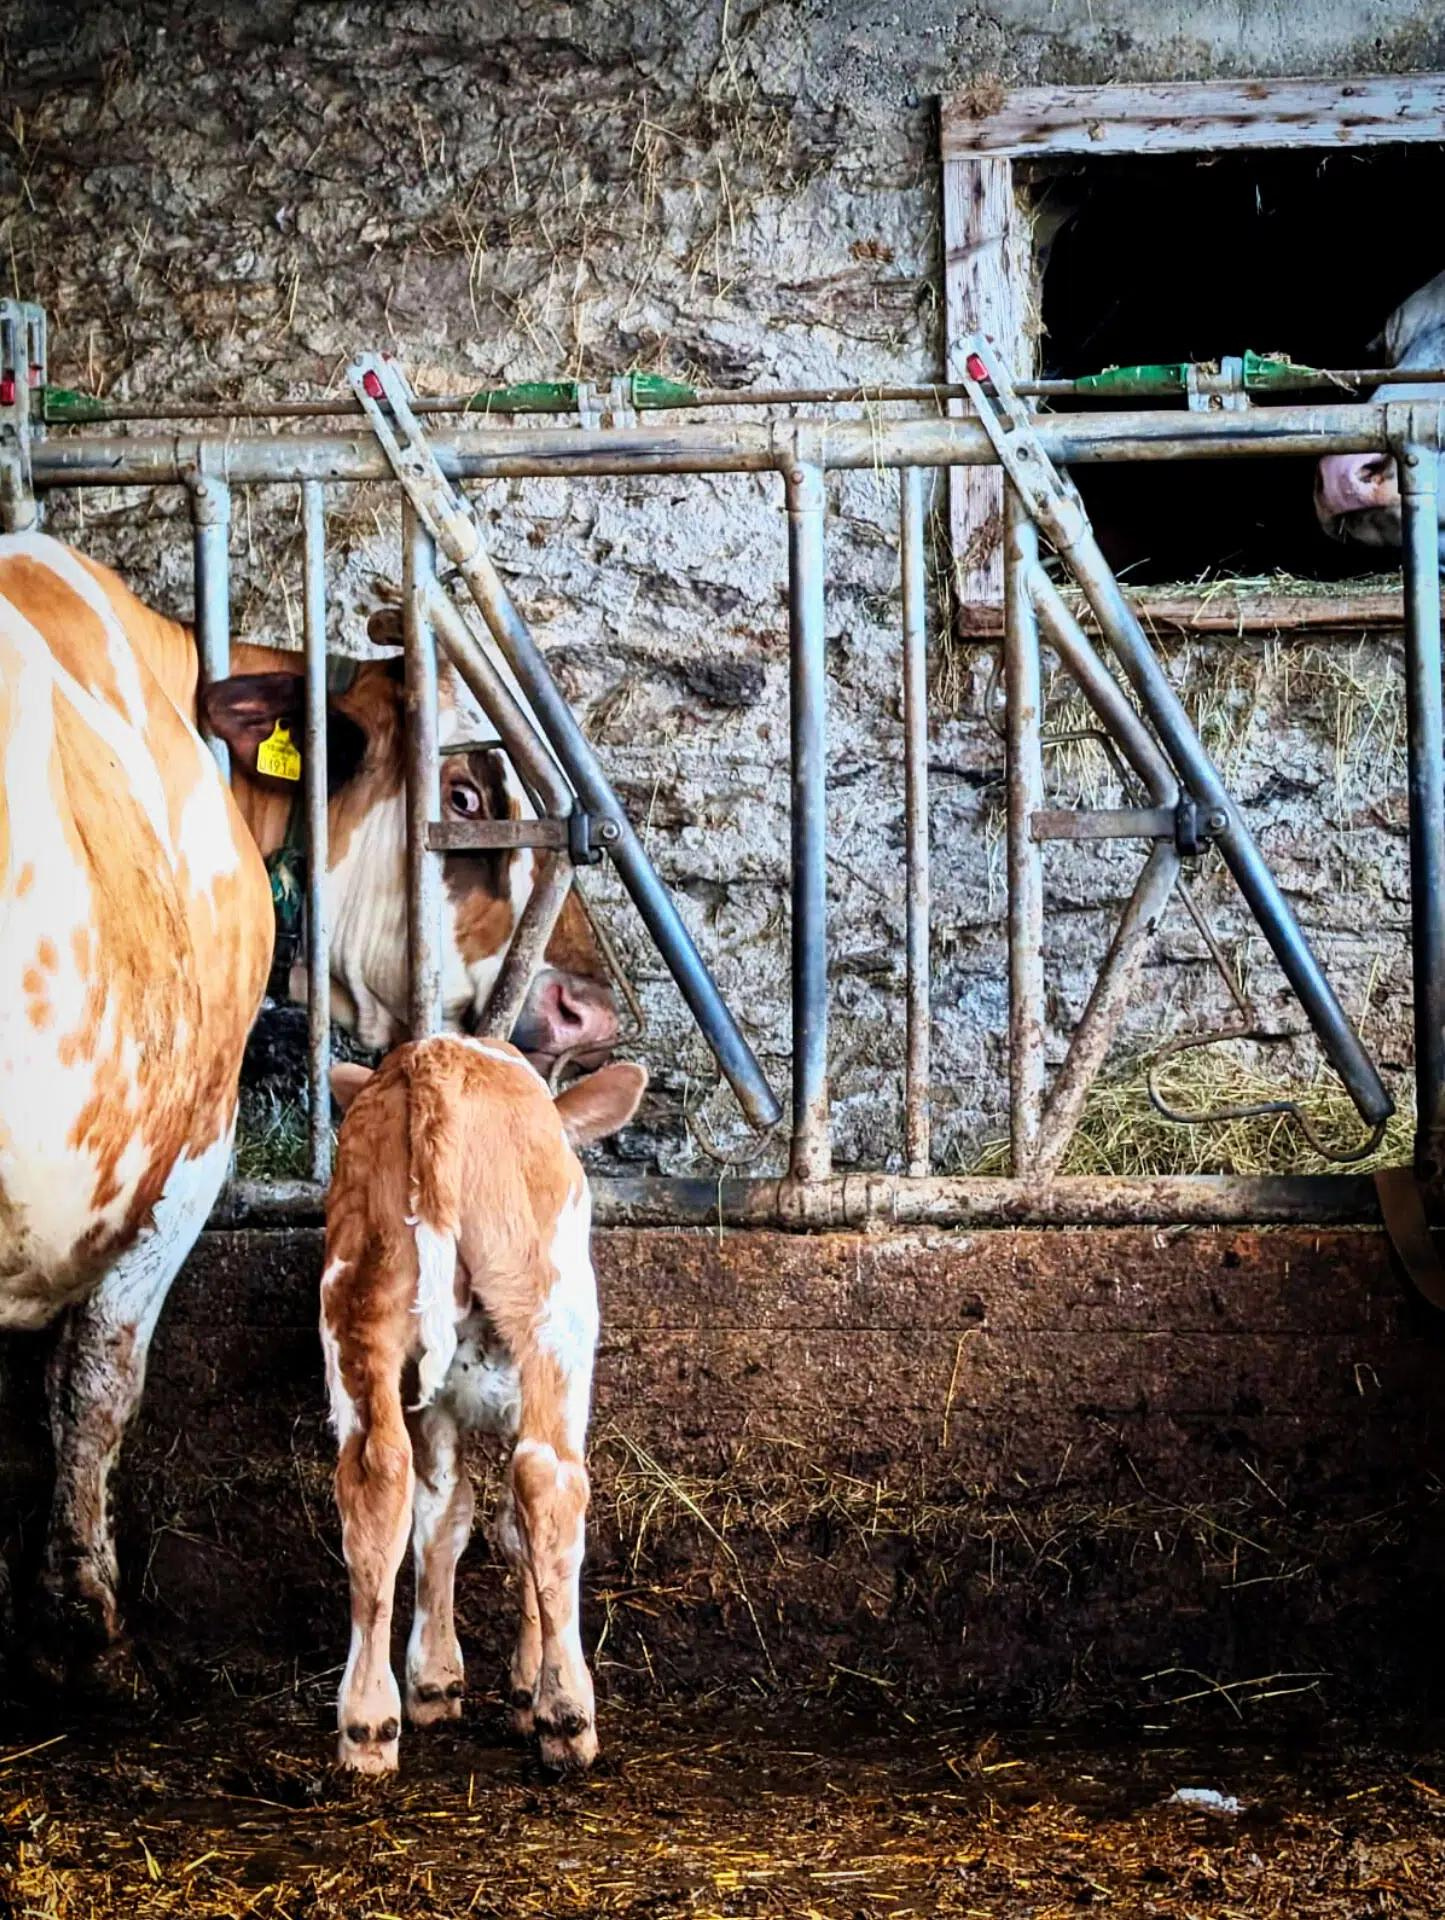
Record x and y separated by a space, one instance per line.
601 1102
348 1077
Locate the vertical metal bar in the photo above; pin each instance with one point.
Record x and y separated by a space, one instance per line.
811 1157
1023 684
1418 466
423 776
314 773
211 524
916 1116
1112 992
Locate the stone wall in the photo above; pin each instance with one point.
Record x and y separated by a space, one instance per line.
226 203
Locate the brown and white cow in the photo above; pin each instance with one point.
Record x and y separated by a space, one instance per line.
137 940
1357 495
458 1296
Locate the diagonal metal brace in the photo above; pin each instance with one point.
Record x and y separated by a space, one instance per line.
385 397
1053 503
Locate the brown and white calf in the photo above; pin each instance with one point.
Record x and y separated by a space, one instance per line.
458 1297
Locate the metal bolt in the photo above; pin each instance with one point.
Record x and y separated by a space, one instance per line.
608 832
1216 821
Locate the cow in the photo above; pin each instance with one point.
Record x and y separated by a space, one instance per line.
138 938
1357 495
458 1296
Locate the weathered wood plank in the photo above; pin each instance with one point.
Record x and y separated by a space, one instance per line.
1187 116
985 291
1226 609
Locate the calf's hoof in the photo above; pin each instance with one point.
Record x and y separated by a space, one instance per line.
428 1705
366 1749
566 1738
521 1713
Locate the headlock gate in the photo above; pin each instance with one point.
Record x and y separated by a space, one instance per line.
579 818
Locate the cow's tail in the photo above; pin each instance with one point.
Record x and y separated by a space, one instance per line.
434 1125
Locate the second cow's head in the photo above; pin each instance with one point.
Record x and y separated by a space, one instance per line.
569 1008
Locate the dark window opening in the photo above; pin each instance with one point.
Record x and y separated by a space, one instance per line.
1191 257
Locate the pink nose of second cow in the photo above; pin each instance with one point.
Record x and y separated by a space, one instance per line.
565 1013
1355 482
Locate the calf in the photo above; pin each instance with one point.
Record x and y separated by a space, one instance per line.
458 1297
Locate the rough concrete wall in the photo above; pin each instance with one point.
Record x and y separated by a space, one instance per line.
222 202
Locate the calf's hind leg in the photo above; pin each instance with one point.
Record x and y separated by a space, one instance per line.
442 1509
374 1486
526 1668
550 1491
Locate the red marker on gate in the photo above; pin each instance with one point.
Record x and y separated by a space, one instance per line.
976 369
7 390
372 383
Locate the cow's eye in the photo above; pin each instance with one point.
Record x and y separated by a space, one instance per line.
466 800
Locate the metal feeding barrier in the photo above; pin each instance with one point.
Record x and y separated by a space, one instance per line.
579 818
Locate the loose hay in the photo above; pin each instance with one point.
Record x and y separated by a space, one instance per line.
827 1816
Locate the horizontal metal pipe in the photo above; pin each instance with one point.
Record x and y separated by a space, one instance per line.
860 1200
1102 823
735 447
335 406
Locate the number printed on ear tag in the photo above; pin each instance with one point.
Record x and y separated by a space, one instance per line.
279 756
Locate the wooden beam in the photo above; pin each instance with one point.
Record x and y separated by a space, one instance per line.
1193 116
1226 610
986 268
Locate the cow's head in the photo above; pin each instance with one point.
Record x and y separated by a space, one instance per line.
569 1008
1357 495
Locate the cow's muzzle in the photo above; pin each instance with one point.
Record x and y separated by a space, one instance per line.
566 1015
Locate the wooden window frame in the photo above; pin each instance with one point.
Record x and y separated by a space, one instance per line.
987 255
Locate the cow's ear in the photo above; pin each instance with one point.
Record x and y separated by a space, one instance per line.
348 1077
259 716
262 719
383 628
600 1103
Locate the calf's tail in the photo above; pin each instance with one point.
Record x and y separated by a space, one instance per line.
435 1144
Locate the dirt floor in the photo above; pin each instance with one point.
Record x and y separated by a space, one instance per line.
715 1810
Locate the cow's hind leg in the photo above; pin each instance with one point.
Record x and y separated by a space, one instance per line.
442 1509
94 1385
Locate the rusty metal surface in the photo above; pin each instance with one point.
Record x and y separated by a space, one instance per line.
917 905
941 1200
1103 823
1023 685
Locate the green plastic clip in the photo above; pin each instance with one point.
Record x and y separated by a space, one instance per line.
1169 376
1260 370
60 406
656 390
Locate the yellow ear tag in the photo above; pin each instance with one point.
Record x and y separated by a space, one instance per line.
278 756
